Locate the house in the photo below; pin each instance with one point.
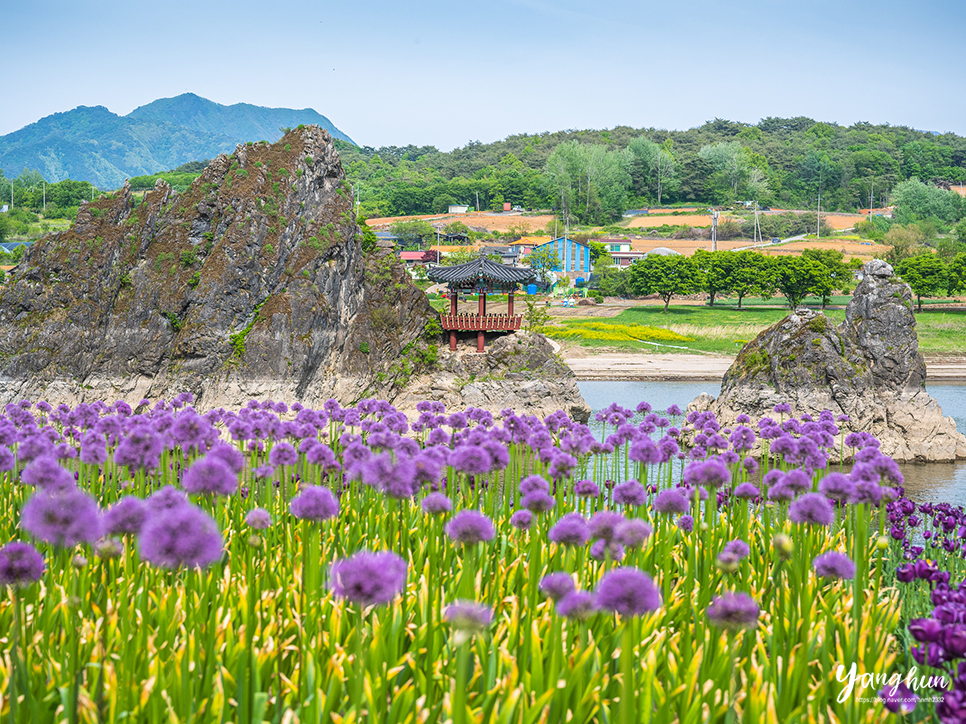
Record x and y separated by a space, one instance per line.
574 255
458 208
615 245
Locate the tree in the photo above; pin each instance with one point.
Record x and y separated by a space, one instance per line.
752 274
662 275
903 241
652 168
924 273
728 159
4 227
536 317
597 250
544 259
838 272
413 233
956 274
797 277
713 271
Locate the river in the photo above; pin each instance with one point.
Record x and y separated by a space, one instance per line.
931 482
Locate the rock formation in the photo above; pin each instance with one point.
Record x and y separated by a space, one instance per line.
869 368
252 283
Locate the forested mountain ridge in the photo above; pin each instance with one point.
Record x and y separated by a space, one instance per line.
93 144
594 175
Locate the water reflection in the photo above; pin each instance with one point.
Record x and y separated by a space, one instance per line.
932 482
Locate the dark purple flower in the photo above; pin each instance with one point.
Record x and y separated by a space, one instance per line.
572 530
46 473
557 585
64 517
210 476
632 533
258 518
369 578
627 591
925 630
126 516
521 519
672 501
733 611
578 605
20 565
437 503
686 523
315 503
899 699
630 493
812 508
834 565
469 527
180 536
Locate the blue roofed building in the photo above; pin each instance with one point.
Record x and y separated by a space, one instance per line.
574 255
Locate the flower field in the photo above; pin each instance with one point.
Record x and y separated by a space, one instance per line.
286 564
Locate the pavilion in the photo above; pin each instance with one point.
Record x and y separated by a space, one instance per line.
482 276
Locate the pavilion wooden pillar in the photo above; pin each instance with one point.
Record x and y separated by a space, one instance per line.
480 337
509 311
453 292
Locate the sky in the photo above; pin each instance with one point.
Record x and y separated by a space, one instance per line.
446 73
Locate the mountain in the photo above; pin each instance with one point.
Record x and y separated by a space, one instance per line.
93 144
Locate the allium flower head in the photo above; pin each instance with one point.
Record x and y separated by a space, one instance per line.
166 498
471 459
521 520
746 491
627 591
46 473
557 585
572 530
140 449
602 549
586 489
603 525
834 565
283 453
369 578
63 517
709 473
671 501
469 527
686 523
20 565
437 503
533 483
631 493
315 503
837 486
632 533
738 548
180 536
812 508
258 518
468 618
210 476
538 501
577 605
733 611
126 516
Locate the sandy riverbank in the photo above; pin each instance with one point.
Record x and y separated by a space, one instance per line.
628 366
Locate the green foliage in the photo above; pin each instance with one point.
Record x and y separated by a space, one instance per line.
188 258
165 257
663 275
237 340
195 279
797 277
268 250
915 200
173 321
413 234
364 347
536 317
924 273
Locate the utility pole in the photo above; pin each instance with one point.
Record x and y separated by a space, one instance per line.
477 200
818 215
714 230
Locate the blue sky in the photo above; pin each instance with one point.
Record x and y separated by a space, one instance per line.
444 73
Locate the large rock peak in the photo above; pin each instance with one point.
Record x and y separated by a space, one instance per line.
251 282
868 368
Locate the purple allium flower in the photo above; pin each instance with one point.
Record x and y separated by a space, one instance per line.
436 503
738 548
812 508
210 475
557 585
781 493
315 503
521 519
604 524
586 489
533 483
798 480
126 517
783 408
837 486
899 699
743 438
632 533
538 501
572 530
603 548
468 618
631 493
709 473
671 501
369 578
20 565
93 448
166 498
64 517
258 518
471 459
283 453
727 561
686 523
140 449
46 473
627 591
577 605
746 491
469 527
180 536
733 611
834 565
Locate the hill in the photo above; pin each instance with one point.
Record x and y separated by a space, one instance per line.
93 144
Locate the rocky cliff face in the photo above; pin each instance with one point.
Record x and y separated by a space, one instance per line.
869 368
253 283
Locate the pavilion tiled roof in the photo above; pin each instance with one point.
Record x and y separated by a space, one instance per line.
481 268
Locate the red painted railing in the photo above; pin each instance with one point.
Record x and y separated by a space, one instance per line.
475 323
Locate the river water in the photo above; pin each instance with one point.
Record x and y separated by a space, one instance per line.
931 482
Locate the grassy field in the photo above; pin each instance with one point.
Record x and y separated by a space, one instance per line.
724 330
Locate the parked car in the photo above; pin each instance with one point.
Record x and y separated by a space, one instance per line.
776 240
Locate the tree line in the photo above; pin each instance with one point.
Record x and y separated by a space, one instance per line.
593 176
818 273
